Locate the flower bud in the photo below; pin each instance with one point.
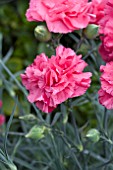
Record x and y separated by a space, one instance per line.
30 118
91 31
80 147
12 92
42 34
93 135
37 132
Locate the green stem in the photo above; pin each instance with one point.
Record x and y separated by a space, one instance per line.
105 127
105 121
21 88
16 133
77 162
77 137
74 156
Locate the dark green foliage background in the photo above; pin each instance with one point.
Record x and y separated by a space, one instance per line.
59 152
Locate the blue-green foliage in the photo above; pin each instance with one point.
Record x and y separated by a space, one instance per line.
61 141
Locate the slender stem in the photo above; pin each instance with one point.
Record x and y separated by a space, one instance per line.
16 133
73 37
105 121
77 162
105 126
16 81
79 43
95 156
90 52
57 160
21 88
74 156
77 137
54 144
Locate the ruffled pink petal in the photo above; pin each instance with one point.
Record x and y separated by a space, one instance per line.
105 99
106 90
61 16
52 81
106 29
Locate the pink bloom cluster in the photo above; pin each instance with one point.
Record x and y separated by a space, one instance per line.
106 51
106 28
52 81
61 16
106 91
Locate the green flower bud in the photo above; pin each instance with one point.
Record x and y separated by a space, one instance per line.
91 31
80 147
12 92
65 119
37 132
29 118
93 135
42 34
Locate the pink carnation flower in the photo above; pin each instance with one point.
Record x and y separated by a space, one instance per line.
61 16
52 81
2 119
106 90
106 29
97 9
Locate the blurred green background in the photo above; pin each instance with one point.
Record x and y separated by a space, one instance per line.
18 48
21 47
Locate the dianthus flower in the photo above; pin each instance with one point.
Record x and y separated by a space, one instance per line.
106 29
61 16
52 81
97 9
106 90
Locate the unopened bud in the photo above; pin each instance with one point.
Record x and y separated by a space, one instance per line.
37 132
91 31
93 135
12 92
42 34
80 147
29 118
